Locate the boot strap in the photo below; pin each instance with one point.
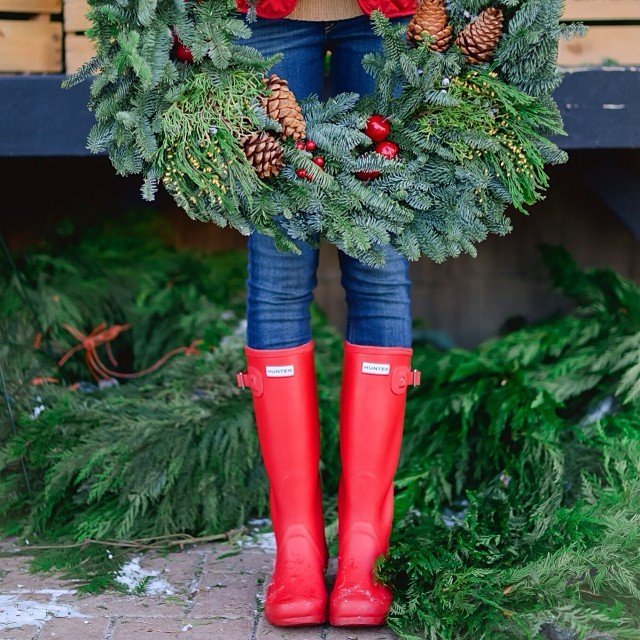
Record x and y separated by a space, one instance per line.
403 377
250 379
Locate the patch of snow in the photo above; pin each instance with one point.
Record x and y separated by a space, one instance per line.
264 541
238 334
36 411
109 382
259 522
132 575
16 613
453 516
601 410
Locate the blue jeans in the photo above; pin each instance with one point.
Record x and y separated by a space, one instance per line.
280 285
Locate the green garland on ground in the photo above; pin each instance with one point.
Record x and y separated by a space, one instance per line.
532 440
184 121
518 492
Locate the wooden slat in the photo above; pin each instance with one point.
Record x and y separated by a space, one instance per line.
31 6
78 49
75 12
602 10
30 46
602 45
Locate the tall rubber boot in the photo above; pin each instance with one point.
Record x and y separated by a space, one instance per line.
372 407
283 385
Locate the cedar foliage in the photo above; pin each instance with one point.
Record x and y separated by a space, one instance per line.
173 451
518 492
531 444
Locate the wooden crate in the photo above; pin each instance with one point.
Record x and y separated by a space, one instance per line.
602 10
78 48
30 42
604 44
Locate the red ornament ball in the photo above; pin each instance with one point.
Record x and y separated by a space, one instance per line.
310 145
387 149
378 128
367 175
181 51
300 145
319 160
301 173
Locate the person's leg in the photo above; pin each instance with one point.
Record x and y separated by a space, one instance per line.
375 377
378 301
279 292
348 41
280 284
378 298
280 371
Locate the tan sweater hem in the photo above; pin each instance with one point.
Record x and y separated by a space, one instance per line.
319 10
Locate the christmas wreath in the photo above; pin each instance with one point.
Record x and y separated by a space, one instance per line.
458 128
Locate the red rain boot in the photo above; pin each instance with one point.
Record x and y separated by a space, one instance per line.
372 404
283 384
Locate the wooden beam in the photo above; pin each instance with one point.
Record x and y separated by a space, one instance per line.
78 50
602 45
600 107
40 118
31 6
32 46
75 15
602 10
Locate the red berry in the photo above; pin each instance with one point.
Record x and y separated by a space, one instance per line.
182 52
319 160
378 128
310 146
387 149
301 173
300 145
309 177
367 175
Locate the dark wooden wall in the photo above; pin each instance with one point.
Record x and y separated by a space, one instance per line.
466 298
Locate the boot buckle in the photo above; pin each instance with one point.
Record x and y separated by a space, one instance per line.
403 377
240 380
251 379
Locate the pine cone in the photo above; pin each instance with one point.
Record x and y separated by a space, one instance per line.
479 39
281 105
431 16
264 153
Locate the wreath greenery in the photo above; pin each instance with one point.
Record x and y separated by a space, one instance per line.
463 99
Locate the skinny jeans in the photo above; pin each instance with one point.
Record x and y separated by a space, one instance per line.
280 284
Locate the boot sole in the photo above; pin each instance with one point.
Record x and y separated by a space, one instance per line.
300 621
357 621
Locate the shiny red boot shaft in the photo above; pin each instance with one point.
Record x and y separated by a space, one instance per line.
372 407
283 385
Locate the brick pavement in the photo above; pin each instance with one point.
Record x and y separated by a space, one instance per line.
199 593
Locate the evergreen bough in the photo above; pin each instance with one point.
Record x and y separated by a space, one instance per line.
473 139
517 497
519 491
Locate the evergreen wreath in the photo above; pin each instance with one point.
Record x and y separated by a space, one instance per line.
458 127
